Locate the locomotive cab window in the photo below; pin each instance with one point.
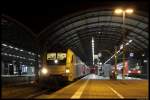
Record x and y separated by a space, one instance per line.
56 58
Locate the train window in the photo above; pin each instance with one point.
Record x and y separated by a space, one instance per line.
51 56
61 57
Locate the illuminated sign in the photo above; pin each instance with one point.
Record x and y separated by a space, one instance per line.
131 54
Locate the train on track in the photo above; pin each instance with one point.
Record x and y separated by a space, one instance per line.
62 67
132 68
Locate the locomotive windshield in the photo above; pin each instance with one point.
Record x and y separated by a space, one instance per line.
133 65
56 58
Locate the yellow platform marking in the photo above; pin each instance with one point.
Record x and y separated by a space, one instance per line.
118 94
79 92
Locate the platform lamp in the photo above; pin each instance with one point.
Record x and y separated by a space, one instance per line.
123 12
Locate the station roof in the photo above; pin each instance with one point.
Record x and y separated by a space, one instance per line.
72 25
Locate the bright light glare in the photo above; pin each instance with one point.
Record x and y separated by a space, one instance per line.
118 11
67 70
130 41
145 61
21 50
121 47
11 47
129 11
32 53
16 48
44 71
129 71
9 55
100 63
139 71
55 61
4 45
118 51
131 54
93 49
127 43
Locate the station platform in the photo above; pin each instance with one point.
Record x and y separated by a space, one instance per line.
93 86
11 80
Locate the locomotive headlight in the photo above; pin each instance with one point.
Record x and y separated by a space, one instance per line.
55 61
67 70
44 71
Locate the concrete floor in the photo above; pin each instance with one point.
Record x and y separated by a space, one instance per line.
91 87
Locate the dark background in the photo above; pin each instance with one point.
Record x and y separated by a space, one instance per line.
38 14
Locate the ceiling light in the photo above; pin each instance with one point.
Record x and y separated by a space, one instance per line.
130 41
145 61
10 47
118 11
21 50
16 48
32 53
129 11
5 54
9 55
4 44
131 54
127 43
